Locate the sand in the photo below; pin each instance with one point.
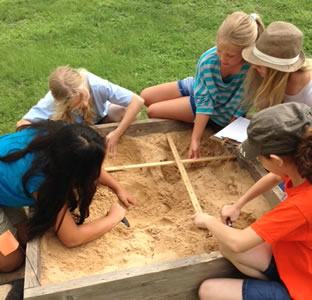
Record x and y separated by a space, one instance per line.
160 224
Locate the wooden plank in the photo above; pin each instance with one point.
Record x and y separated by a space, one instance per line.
9 277
173 279
32 264
256 171
169 162
184 175
144 127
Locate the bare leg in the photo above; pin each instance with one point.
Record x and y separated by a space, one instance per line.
175 109
252 262
161 92
12 261
221 288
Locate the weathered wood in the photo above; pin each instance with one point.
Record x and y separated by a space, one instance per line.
144 127
9 277
169 162
178 279
32 265
172 280
184 175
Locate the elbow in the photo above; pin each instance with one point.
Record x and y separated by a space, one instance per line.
71 242
140 100
236 246
22 122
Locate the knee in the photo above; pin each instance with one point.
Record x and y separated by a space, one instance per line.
152 111
205 290
11 262
146 95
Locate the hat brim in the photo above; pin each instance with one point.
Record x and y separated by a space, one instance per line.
248 56
248 150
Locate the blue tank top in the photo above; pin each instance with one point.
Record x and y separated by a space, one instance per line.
11 174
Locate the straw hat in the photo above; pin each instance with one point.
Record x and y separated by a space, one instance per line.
278 47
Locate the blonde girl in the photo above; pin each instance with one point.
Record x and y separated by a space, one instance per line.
214 95
279 73
82 97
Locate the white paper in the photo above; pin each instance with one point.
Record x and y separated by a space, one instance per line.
237 130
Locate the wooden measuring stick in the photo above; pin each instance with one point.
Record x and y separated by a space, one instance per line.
169 162
184 174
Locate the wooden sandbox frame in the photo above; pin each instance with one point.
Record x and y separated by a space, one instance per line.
176 280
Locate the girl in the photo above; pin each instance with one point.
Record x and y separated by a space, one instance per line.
80 96
55 168
276 250
279 73
215 93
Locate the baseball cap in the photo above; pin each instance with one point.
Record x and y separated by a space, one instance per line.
276 130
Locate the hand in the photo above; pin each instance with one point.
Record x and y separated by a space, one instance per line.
200 220
229 211
116 212
111 143
194 151
125 197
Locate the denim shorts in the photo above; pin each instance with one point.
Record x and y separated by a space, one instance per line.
9 216
274 289
186 89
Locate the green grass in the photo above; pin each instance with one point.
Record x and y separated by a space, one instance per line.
133 43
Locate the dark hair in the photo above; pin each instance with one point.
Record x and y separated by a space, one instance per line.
303 156
69 156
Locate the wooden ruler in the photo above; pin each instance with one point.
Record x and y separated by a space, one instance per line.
169 162
185 178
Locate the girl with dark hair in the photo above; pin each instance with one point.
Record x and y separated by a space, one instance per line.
55 168
276 250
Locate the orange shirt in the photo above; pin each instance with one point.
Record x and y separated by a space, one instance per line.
288 227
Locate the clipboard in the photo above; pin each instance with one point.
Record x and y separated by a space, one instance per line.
234 133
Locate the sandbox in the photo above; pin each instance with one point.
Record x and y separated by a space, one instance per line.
161 254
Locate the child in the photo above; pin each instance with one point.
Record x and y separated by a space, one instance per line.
55 168
215 93
80 96
280 72
276 250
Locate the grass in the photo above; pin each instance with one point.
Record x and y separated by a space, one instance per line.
134 43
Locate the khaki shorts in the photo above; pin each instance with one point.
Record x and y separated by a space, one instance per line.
9 216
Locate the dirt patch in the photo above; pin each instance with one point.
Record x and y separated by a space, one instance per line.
161 227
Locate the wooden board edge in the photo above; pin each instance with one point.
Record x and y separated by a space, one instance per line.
32 264
181 276
144 127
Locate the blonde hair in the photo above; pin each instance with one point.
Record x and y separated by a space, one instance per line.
64 84
240 29
265 92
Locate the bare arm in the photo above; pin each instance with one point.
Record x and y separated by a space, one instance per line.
132 110
124 196
264 184
236 240
72 235
200 123
22 122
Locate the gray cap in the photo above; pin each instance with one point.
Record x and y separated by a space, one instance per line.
276 130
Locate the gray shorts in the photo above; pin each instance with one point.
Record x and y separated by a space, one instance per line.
9 216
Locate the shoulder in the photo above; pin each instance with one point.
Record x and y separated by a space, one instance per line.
210 56
297 81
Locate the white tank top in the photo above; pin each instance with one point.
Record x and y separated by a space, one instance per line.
304 96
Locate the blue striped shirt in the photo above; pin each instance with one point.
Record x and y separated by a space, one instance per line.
221 99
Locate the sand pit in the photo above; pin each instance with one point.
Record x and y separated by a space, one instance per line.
161 228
